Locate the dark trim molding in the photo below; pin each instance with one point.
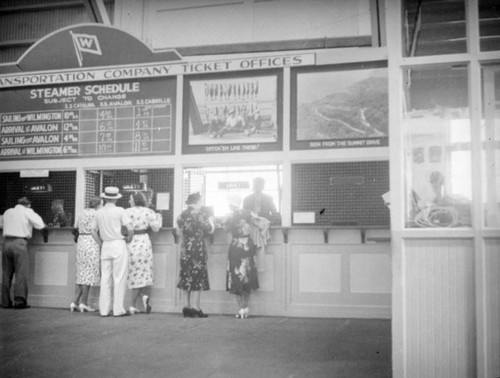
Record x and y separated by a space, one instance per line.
273 46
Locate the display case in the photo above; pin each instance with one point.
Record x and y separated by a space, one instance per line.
437 147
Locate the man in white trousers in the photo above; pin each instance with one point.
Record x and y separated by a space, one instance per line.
114 254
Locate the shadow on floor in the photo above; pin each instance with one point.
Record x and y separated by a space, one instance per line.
43 342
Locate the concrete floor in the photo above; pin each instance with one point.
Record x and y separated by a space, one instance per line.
43 342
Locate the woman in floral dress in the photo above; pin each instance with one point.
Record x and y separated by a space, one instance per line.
195 225
88 258
140 265
241 270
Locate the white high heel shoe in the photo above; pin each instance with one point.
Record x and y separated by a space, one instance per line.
133 310
241 314
246 312
73 307
84 308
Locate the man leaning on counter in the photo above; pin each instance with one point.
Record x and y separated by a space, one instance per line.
17 223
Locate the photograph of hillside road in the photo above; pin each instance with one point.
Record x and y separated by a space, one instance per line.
342 104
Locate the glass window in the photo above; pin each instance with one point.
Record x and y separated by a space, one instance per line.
437 147
221 185
489 25
434 27
490 135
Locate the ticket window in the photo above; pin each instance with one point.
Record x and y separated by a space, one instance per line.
52 194
342 194
221 185
156 184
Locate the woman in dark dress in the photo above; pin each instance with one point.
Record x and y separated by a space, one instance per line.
241 270
195 226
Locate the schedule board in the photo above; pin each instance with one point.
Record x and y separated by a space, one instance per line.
119 118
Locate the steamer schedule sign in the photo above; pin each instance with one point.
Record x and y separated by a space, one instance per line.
133 117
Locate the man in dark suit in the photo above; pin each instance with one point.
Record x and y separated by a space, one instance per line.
264 214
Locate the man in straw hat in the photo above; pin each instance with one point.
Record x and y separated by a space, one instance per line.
109 221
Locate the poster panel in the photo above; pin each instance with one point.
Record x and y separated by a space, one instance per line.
233 113
120 118
343 106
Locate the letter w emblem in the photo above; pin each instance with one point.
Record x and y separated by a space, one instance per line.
85 43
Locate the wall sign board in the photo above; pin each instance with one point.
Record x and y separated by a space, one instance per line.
129 117
149 70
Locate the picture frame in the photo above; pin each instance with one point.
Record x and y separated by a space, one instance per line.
341 106
236 112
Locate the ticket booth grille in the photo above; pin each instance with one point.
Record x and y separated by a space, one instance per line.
156 184
52 194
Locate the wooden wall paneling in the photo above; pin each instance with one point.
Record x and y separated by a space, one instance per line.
440 322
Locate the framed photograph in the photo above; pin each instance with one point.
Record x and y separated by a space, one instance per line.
233 113
342 106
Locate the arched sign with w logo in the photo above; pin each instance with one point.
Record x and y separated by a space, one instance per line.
85 43
95 45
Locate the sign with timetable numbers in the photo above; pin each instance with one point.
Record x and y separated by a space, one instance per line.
121 118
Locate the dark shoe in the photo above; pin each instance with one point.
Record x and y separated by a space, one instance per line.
21 306
7 306
188 312
199 313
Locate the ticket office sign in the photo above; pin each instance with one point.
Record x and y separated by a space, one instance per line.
121 118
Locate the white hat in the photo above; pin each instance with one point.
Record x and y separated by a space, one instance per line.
111 192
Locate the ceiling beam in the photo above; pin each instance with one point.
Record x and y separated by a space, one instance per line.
97 11
40 7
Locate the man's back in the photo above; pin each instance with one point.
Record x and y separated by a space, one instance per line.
19 221
109 220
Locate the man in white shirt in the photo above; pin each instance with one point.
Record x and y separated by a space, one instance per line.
17 223
109 220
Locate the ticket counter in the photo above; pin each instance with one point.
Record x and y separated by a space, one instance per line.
318 272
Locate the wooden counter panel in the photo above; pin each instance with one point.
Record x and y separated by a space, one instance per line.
302 275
